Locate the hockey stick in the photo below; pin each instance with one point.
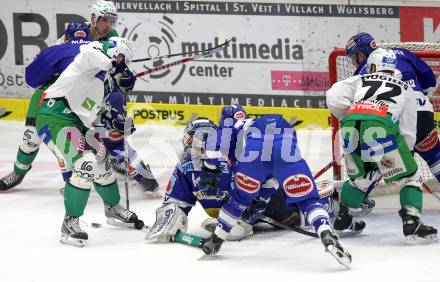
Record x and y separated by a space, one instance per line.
126 159
183 53
188 239
429 190
284 226
127 201
324 169
184 60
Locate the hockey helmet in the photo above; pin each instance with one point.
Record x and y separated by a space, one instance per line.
361 42
382 60
105 9
234 112
76 30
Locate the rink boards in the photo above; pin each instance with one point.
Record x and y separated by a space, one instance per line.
180 114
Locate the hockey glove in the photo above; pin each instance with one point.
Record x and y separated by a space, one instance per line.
252 213
113 119
211 245
209 180
127 81
123 76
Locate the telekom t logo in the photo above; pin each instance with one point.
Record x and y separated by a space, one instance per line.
420 24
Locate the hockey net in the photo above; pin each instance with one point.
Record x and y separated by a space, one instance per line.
341 67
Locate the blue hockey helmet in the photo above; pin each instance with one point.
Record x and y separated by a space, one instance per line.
196 133
76 30
361 42
235 112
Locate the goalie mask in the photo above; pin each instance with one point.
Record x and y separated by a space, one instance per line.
119 46
196 133
382 60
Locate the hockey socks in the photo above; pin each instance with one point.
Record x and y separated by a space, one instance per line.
411 196
351 196
24 161
75 199
109 193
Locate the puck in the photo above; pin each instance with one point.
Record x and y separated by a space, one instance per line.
96 225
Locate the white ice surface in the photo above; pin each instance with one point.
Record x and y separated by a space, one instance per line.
31 216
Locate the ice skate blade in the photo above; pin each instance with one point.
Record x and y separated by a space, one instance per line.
416 240
340 256
346 233
118 223
66 240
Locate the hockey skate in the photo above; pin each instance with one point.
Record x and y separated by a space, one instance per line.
209 224
10 181
414 230
121 217
71 232
345 224
149 187
239 231
366 208
332 245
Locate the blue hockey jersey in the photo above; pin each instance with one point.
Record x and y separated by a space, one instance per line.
183 187
52 61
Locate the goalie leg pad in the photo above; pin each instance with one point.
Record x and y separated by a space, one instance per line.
169 219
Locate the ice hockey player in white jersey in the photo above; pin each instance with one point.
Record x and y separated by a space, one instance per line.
103 17
65 120
378 130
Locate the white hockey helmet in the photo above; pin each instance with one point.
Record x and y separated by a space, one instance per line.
381 60
106 9
120 45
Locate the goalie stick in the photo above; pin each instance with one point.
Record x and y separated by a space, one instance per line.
204 53
189 239
183 53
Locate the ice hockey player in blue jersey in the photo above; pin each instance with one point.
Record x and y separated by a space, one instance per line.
184 190
117 125
414 71
261 149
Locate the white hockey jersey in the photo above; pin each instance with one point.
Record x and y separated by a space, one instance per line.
82 83
377 94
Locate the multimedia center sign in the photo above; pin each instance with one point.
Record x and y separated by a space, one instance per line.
277 55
